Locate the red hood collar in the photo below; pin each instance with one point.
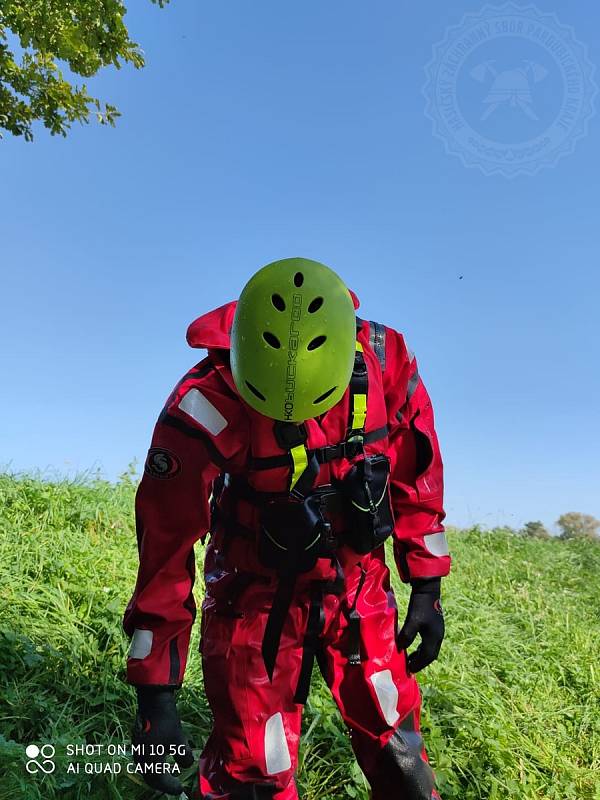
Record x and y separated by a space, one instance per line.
212 330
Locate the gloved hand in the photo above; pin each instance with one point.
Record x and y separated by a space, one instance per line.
426 617
157 723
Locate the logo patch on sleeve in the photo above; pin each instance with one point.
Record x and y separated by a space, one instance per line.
161 463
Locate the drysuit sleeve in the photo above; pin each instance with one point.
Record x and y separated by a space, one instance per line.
416 482
196 437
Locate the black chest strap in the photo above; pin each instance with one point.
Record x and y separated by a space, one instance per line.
324 455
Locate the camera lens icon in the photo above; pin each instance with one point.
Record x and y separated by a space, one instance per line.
40 759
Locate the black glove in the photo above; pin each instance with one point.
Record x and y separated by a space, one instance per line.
426 617
157 723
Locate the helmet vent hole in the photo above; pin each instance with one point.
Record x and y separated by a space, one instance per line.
316 342
298 279
271 340
324 396
315 305
278 302
255 391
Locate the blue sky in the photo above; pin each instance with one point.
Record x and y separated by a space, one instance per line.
264 130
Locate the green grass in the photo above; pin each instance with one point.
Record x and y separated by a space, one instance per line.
511 709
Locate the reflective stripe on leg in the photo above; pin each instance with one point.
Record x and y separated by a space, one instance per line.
387 695
277 754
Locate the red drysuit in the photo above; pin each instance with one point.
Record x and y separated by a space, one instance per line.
343 613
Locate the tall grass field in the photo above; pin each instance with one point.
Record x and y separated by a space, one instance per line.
511 708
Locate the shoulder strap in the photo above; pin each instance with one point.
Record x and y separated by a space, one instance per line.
304 465
359 389
376 339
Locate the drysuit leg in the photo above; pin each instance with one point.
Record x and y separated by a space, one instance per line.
252 751
379 700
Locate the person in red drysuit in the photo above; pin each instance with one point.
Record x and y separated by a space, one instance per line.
215 463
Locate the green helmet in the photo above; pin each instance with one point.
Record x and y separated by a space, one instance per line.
293 340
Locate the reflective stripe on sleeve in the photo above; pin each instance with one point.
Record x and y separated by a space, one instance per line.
141 643
412 385
436 543
199 408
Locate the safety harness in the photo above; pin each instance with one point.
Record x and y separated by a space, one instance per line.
304 465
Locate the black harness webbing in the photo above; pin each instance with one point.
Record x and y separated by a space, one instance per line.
311 646
304 471
304 467
354 623
377 341
282 600
359 388
316 619
314 628
324 454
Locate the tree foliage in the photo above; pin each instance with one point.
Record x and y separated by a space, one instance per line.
535 529
36 36
578 526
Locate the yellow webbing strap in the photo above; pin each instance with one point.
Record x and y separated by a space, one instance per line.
359 411
300 459
359 404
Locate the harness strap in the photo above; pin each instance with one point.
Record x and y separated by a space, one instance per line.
305 464
303 484
377 341
239 585
323 454
359 387
238 487
314 627
304 467
300 462
276 620
354 623
316 619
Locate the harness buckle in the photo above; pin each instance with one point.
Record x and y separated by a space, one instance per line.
353 445
360 366
289 435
